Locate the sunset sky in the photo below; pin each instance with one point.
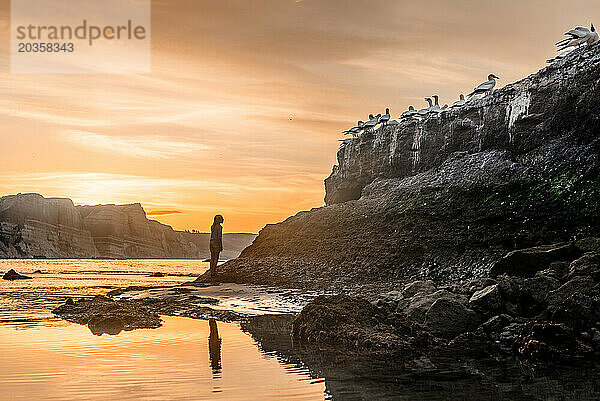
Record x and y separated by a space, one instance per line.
246 99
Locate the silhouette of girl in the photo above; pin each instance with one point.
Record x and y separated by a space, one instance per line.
216 243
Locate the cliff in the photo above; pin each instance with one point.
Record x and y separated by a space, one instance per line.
445 197
34 226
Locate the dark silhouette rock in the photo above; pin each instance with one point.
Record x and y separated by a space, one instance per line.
539 287
341 320
157 274
589 244
496 323
587 265
578 285
105 315
112 325
486 300
423 286
449 318
416 307
527 262
13 275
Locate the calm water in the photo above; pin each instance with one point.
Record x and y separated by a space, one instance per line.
26 302
42 357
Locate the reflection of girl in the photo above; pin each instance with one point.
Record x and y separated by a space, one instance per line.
216 243
214 347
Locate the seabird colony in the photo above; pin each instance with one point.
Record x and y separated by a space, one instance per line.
576 38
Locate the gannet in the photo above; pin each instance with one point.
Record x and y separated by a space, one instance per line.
373 121
393 122
459 103
426 110
409 113
578 37
386 117
355 130
486 87
436 107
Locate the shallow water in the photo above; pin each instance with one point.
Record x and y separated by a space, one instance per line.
24 302
43 357
172 362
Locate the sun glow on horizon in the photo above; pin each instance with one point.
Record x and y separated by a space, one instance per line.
243 118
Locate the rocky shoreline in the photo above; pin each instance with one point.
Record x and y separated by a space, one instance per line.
539 305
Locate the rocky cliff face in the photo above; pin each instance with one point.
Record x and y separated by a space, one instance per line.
42 227
445 197
34 226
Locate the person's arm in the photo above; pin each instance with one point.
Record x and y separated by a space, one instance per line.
220 237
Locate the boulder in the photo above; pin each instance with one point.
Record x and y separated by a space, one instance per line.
418 305
424 286
539 287
487 299
578 285
526 262
496 323
590 244
579 311
105 315
13 275
587 265
557 270
342 320
112 325
478 284
450 318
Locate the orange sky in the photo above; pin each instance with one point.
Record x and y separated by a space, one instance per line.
243 108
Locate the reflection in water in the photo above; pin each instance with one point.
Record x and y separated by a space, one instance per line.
214 349
168 363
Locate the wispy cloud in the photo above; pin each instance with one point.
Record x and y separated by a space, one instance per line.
162 212
150 147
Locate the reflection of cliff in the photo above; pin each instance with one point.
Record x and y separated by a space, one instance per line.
34 226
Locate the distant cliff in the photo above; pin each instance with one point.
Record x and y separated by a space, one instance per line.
34 226
445 197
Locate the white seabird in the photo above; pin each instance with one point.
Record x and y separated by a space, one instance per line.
487 87
460 102
423 112
373 121
409 113
393 122
578 37
436 107
385 118
355 130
